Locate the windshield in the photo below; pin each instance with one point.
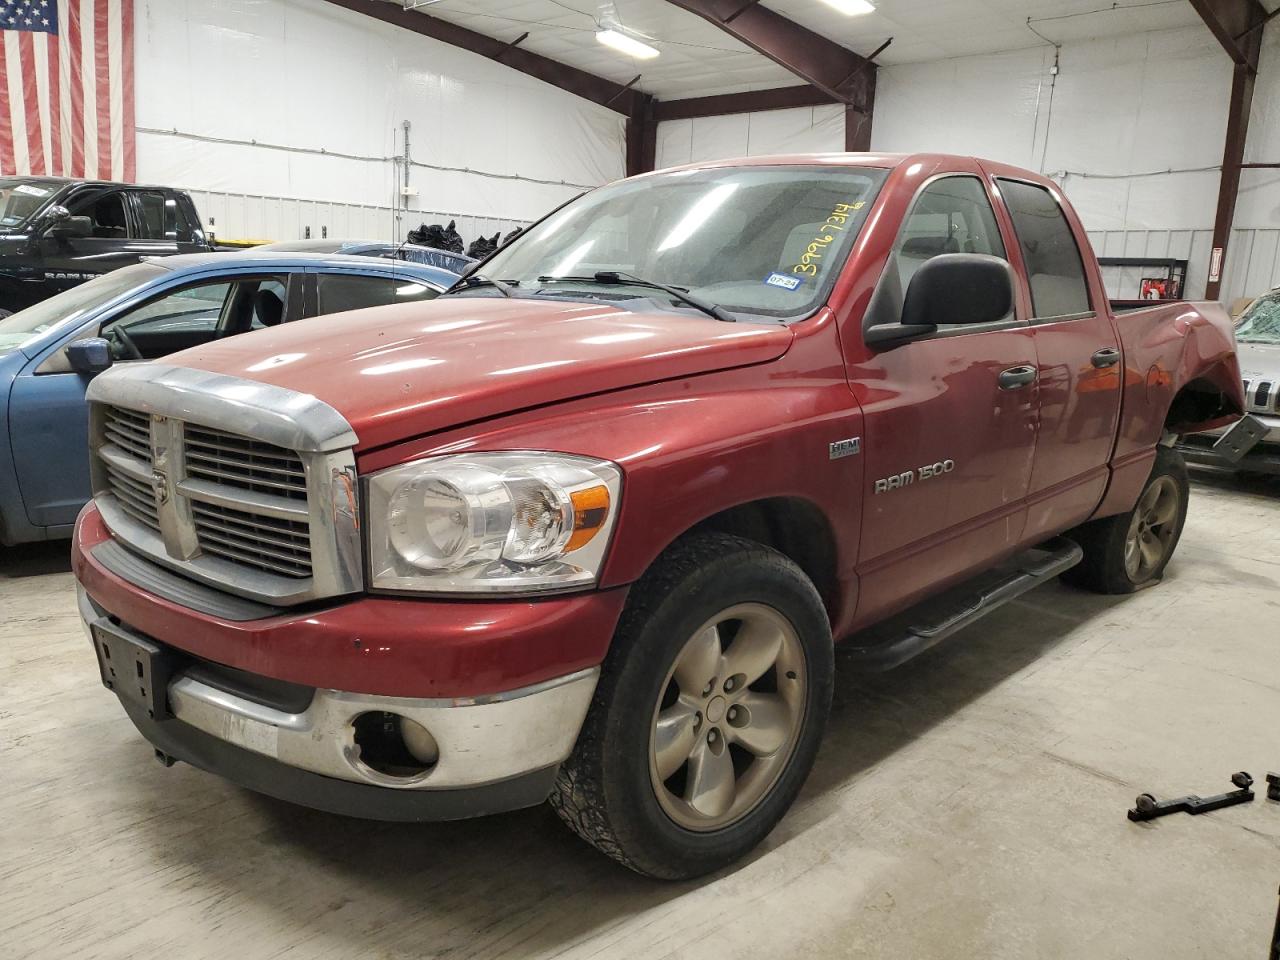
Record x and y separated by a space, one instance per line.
764 241
28 325
19 199
1261 322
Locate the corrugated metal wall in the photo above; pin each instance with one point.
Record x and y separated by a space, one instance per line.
245 216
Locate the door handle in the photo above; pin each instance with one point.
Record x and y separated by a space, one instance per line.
1017 377
1106 357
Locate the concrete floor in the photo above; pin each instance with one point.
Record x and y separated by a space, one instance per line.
971 804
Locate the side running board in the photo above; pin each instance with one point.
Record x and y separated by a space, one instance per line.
911 633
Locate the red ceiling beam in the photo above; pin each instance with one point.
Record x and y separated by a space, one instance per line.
1238 26
753 101
588 86
835 70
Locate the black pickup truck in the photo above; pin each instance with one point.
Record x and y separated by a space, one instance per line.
56 232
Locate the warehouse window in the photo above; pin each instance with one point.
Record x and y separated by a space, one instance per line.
1052 257
340 291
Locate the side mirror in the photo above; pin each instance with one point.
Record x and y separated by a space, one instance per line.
89 356
59 222
953 288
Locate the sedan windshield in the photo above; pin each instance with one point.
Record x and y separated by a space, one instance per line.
755 241
19 199
1261 322
27 326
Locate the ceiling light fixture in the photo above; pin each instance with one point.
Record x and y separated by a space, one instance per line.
626 44
851 8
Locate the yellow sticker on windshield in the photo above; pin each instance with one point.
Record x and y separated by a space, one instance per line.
829 230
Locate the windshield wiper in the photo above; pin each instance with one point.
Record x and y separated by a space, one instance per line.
472 280
619 278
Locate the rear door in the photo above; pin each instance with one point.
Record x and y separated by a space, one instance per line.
1079 355
163 226
948 449
336 292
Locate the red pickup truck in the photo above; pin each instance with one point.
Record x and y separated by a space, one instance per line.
585 528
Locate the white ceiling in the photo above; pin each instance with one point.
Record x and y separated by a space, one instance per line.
699 59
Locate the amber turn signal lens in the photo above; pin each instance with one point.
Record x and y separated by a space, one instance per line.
590 509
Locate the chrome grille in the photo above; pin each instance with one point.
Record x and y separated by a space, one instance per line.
130 431
246 486
237 461
136 498
1262 396
268 543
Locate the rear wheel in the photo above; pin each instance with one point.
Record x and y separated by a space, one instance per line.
1129 551
709 711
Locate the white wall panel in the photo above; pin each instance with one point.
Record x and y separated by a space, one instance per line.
311 98
800 130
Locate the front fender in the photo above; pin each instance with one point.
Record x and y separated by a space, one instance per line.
695 447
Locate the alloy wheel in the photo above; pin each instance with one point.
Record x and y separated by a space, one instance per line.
728 717
1152 530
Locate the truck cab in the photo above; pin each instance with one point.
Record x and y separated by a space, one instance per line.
587 527
56 233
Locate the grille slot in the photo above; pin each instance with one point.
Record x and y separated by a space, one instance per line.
267 543
231 460
1263 396
134 497
130 431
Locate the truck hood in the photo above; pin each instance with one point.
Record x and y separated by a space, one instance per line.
1259 361
400 372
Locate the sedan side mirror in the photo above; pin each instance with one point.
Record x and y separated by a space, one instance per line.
952 289
89 356
59 222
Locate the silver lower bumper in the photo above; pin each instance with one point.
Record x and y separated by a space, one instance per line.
480 740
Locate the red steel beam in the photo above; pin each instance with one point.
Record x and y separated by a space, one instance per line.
835 70
1238 26
753 101
580 83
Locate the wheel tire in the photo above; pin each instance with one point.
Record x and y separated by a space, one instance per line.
606 790
1105 542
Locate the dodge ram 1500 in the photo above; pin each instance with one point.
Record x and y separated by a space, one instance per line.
585 528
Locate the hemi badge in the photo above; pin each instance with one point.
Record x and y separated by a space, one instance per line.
845 448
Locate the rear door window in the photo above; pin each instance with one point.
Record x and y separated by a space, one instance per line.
342 291
151 215
1055 269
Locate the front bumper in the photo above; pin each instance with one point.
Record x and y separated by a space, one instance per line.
493 753
268 697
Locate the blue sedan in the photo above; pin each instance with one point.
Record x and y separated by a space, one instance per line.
49 351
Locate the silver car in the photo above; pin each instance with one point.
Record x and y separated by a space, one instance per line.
1258 340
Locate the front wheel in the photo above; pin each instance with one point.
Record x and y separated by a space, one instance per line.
1129 551
709 712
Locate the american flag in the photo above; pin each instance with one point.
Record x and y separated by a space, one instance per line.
66 88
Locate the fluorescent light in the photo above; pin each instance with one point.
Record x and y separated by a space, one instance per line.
851 8
625 44
698 214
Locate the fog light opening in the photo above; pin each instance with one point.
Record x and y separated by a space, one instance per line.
394 746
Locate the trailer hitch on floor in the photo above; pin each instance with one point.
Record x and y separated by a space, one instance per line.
1148 807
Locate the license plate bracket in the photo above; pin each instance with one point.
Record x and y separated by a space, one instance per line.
1236 443
134 668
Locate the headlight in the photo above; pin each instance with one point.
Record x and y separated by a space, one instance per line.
491 522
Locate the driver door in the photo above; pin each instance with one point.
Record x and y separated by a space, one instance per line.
48 418
70 261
